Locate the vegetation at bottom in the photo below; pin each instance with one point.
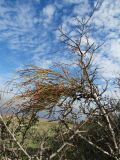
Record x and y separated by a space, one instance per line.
47 135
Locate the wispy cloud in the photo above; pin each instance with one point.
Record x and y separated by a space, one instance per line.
74 1
48 12
106 29
21 25
17 25
28 30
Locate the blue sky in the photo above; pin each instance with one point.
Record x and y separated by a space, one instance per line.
28 33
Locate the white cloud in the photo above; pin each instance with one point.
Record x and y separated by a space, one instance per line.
18 29
73 1
82 8
114 49
106 28
108 67
108 14
17 25
21 28
42 62
38 1
48 11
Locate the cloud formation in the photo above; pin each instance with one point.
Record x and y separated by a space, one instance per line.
106 25
48 11
28 31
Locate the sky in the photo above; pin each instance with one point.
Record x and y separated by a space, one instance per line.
28 33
